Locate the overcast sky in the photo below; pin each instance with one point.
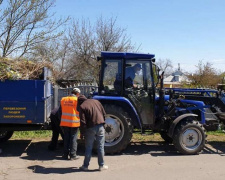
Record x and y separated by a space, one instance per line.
184 31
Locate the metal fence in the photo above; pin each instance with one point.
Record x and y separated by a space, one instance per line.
62 92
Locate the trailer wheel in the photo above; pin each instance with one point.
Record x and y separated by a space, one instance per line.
189 137
118 129
165 137
5 135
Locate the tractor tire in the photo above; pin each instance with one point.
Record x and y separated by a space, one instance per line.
5 135
189 137
166 138
118 129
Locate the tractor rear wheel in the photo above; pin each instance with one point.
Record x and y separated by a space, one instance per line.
189 137
118 129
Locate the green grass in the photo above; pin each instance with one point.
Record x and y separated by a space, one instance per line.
216 136
218 132
31 134
137 136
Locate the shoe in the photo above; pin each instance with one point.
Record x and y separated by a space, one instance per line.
74 157
104 167
65 157
83 168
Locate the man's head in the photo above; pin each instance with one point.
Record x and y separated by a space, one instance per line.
81 99
76 91
137 67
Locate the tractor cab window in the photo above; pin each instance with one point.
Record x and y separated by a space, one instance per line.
112 77
138 74
133 74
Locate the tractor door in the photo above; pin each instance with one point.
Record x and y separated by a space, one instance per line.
111 77
141 93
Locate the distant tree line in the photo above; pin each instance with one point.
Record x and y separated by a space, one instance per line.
205 76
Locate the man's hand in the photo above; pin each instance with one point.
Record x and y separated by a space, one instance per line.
135 85
81 136
138 86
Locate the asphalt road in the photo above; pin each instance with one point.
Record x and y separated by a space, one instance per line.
26 159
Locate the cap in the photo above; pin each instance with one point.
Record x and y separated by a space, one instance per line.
138 65
76 90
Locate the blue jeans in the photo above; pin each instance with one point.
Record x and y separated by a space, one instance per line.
70 141
95 133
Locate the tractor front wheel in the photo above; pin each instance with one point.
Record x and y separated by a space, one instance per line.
189 137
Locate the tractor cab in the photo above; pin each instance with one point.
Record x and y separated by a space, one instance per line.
130 75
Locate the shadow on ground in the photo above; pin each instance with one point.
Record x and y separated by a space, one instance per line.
66 170
159 148
154 148
26 149
15 147
215 147
165 149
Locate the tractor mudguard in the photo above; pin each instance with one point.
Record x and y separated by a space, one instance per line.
176 121
121 101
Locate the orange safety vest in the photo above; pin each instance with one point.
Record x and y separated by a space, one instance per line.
70 115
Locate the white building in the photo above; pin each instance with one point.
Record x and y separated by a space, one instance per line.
175 79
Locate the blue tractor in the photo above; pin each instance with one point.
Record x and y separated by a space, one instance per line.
131 91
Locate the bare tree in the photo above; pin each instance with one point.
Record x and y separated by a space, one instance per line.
89 40
24 24
55 51
83 43
110 37
165 65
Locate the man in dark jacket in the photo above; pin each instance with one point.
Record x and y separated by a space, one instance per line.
92 118
55 118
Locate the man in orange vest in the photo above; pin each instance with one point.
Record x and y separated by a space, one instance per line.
70 123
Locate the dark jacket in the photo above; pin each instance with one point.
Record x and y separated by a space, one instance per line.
91 113
55 115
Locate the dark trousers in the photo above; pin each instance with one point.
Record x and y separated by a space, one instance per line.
55 135
56 130
70 141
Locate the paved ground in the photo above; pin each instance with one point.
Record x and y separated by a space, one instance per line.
26 159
